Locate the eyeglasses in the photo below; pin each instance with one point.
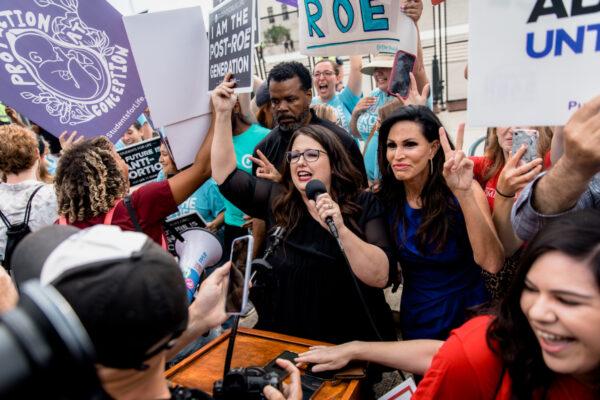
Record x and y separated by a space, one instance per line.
310 155
327 74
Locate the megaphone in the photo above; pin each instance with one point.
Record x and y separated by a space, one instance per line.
200 249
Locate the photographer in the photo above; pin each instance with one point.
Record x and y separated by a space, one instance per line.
130 297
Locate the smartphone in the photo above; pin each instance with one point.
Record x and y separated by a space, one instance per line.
528 137
404 64
273 367
239 275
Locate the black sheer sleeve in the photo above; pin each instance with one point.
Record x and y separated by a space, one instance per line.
248 193
376 231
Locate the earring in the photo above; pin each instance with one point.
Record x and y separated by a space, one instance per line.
431 166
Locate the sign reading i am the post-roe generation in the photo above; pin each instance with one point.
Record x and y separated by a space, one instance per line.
231 43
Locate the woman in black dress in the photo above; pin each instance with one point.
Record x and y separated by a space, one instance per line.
313 295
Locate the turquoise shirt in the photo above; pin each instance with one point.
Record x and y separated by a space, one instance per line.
244 145
343 103
206 201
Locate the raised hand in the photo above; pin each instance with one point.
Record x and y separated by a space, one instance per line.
458 169
513 177
414 97
67 142
582 139
265 169
412 8
363 105
223 96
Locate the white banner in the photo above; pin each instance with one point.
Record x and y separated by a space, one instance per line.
532 62
348 27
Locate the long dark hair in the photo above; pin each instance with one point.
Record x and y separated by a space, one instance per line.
436 196
346 180
509 335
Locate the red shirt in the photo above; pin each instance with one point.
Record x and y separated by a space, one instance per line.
489 187
152 203
465 368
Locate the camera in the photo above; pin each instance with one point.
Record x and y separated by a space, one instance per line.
46 352
245 384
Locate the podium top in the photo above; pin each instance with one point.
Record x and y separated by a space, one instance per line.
252 348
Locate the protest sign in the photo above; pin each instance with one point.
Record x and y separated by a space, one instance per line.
403 391
231 38
182 224
533 62
68 66
171 62
142 160
354 27
293 3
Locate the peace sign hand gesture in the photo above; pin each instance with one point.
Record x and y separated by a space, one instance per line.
458 169
265 169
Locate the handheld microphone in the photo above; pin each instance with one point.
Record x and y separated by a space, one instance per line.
313 190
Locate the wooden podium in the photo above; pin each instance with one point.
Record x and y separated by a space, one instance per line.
252 348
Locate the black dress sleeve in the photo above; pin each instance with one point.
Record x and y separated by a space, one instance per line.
250 194
376 231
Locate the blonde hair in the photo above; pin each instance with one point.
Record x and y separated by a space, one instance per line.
88 180
18 149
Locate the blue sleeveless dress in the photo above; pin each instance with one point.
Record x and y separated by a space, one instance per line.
439 288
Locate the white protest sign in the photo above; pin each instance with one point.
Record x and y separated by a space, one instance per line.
532 62
186 138
348 27
142 161
231 37
171 62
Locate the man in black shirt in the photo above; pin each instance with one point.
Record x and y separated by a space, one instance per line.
290 89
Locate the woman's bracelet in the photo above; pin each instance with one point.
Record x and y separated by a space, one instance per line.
505 195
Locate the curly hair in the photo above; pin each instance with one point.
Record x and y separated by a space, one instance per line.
510 335
18 149
288 70
88 180
436 196
346 179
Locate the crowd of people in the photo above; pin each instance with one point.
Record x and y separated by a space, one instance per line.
498 257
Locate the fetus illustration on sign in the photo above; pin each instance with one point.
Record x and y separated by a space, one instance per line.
68 63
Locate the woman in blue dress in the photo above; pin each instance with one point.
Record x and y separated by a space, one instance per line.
440 220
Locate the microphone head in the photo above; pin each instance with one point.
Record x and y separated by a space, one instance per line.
314 188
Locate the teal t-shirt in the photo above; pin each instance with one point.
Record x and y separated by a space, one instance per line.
244 145
206 201
343 103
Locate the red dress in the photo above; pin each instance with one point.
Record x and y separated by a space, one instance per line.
489 187
465 368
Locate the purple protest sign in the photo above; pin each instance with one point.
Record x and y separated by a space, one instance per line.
68 66
293 3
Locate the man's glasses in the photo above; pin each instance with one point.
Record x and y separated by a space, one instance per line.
310 155
327 74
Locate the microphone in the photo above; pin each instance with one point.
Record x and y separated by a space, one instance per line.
313 190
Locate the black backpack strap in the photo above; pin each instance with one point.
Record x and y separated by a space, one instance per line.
27 209
131 211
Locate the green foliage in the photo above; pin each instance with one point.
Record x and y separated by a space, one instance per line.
276 34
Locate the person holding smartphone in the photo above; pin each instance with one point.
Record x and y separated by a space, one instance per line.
312 294
502 174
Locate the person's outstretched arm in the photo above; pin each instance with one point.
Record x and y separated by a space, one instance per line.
185 183
223 159
458 172
409 355
355 77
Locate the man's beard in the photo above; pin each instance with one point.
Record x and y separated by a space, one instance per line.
293 126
